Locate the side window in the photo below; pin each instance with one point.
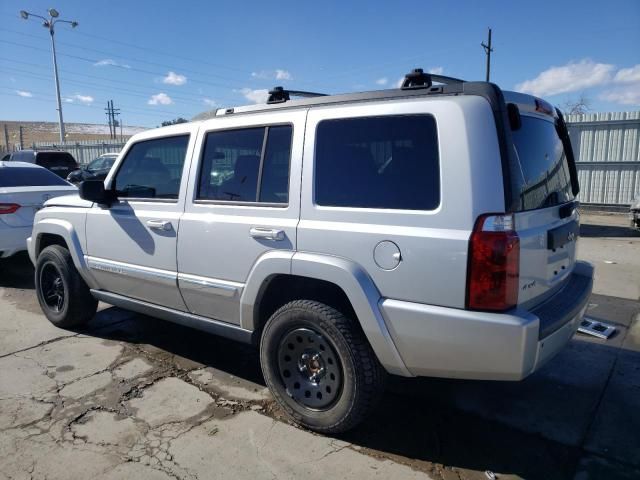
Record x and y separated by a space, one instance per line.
378 162
238 166
152 169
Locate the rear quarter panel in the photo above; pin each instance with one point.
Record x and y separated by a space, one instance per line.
433 244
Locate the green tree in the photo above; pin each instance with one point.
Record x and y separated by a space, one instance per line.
175 121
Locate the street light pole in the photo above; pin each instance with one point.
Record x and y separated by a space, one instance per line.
50 24
55 74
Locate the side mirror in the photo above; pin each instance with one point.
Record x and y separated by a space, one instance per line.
93 191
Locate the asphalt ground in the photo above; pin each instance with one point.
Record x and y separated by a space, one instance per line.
131 395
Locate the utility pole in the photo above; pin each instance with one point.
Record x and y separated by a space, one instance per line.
487 51
6 138
111 119
108 111
50 23
114 112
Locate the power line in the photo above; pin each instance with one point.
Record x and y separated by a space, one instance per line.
129 68
116 55
183 95
43 97
104 88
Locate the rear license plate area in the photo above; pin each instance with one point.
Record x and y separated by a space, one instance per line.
560 236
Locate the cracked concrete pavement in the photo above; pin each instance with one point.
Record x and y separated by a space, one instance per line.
132 396
78 406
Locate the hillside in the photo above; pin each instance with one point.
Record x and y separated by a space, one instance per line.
48 132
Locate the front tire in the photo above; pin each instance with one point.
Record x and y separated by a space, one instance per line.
62 293
320 367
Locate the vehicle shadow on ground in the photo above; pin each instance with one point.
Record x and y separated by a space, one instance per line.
17 272
589 230
535 429
426 422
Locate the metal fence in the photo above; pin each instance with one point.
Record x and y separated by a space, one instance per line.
607 149
84 151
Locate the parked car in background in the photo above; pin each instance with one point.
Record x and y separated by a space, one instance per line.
59 162
96 169
634 213
24 187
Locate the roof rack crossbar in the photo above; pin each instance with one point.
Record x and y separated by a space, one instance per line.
280 95
418 79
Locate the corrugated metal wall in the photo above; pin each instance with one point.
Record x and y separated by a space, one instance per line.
607 147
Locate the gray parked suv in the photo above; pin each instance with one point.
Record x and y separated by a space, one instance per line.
428 230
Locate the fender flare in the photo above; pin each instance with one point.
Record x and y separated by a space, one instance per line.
65 230
349 276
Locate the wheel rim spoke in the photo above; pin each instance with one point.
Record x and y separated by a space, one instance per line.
309 368
52 287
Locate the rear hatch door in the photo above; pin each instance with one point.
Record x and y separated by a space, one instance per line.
547 220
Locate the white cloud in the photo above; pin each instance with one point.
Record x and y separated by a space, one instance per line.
627 95
84 99
209 102
160 99
628 75
24 93
382 81
255 96
283 75
571 77
174 78
437 70
278 74
108 62
400 82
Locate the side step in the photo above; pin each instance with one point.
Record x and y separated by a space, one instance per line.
596 328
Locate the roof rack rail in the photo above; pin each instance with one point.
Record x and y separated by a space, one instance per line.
280 95
418 79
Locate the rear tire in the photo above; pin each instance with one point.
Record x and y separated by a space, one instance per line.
62 293
320 367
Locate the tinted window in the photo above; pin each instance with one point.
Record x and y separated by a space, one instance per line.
231 165
274 187
153 168
378 162
23 156
29 177
544 165
55 159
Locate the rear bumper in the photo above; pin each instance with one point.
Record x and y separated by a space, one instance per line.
446 342
13 240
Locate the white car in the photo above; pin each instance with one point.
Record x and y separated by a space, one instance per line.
24 187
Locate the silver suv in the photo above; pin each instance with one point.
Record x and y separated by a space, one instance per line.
428 230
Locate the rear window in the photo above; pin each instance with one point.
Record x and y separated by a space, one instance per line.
55 159
29 177
545 168
386 162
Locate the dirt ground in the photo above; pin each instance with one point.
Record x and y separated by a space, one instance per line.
134 396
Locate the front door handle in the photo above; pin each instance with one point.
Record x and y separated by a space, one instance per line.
267 233
163 225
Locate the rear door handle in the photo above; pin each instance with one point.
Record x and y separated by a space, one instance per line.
267 233
159 225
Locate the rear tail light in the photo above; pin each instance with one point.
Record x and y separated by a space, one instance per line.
494 264
8 208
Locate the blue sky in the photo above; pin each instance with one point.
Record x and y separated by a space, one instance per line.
158 59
